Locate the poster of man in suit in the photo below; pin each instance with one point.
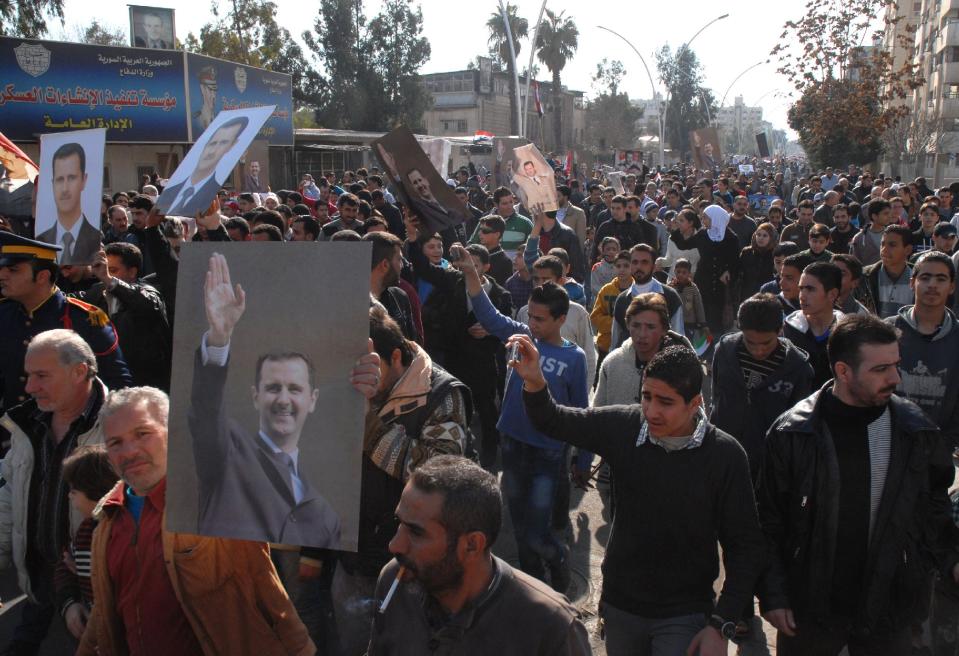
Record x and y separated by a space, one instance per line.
210 162
423 189
534 180
266 431
504 163
706 152
69 192
152 27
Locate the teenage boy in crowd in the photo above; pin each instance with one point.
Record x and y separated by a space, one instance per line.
547 234
809 326
929 344
929 219
534 464
783 250
657 594
789 275
517 226
885 287
866 243
818 241
602 314
490 231
627 232
851 278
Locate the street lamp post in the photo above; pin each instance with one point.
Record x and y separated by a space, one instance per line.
679 53
512 56
529 69
652 86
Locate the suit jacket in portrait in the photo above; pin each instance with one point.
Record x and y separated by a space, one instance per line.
198 202
140 42
86 247
245 490
252 186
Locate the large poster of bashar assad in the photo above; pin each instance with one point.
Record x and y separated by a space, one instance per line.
266 431
705 146
152 27
533 179
503 161
205 169
69 193
422 188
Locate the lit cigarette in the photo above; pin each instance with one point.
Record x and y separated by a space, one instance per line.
396 583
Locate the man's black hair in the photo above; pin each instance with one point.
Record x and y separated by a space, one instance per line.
479 251
384 246
271 217
141 203
827 273
904 233
242 121
237 223
310 225
129 254
680 368
762 313
935 256
301 209
500 193
877 205
387 337
274 233
69 149
283 356
852 263
798 261
785 249
552 263
553 296
247 198
855 331
565 190
494 223
346 235
472 500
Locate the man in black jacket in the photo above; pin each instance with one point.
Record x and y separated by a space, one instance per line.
628 233
137 310
852 498
681 484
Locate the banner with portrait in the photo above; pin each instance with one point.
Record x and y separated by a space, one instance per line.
503 164
533 179
265 429
420 184
218 85
707 154
152 27
69 193
438 150
626 159
210 162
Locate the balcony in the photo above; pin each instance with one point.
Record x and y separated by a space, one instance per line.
949 73
949 35
949 107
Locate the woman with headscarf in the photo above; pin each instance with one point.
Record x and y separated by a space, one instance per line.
718 263
756 260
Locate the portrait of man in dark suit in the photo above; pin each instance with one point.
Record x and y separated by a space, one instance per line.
79 238
252 182
152 33
251 483
195 193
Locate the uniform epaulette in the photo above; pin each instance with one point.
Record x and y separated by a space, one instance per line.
97 317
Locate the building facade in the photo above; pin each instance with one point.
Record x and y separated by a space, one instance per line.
468 101
738 125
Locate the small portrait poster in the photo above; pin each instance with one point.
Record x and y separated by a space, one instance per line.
706 152
423 189
534 180
69 193
503 162
266 431
152 27
210 162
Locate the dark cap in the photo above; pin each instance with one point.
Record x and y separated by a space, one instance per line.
944 229
14 249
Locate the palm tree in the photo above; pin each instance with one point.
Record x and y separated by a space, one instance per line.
556 42
499 47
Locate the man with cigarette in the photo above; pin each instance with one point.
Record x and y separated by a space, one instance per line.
446 592
253 486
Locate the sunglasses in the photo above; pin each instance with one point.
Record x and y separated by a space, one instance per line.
487 231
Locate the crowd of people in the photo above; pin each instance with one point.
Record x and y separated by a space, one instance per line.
779 381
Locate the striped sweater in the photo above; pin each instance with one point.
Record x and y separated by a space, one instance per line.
74 586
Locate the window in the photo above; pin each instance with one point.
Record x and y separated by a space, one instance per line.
453 124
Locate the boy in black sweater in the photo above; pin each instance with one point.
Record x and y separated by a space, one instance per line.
682 486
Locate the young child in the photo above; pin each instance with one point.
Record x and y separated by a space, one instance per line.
694 315
819 237
575 290
604 270
602 314
88 474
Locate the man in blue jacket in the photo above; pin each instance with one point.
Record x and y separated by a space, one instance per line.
533 462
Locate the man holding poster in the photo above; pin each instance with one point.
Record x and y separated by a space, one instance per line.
253 485
75 194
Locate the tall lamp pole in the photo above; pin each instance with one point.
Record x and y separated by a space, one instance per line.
529 69
679 53
652 86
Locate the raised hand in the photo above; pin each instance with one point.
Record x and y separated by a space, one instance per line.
365 377
526 365
224 303
100 268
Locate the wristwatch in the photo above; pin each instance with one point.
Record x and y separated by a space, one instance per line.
726 629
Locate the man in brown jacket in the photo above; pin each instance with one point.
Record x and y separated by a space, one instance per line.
159 592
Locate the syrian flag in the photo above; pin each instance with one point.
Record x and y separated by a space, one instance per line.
536 100
18 164
568 166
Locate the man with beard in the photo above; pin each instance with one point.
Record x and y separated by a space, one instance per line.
453 594
252 487
642 264
853 501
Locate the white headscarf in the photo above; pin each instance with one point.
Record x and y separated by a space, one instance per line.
718 220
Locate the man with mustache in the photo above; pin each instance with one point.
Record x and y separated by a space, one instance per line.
36 520
853 501
251 486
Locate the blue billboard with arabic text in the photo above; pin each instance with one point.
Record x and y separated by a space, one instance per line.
137 94
216 85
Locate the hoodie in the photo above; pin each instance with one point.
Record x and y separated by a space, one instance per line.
930 369
747 414
796 330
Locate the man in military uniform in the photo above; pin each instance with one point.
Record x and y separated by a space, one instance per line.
32 304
